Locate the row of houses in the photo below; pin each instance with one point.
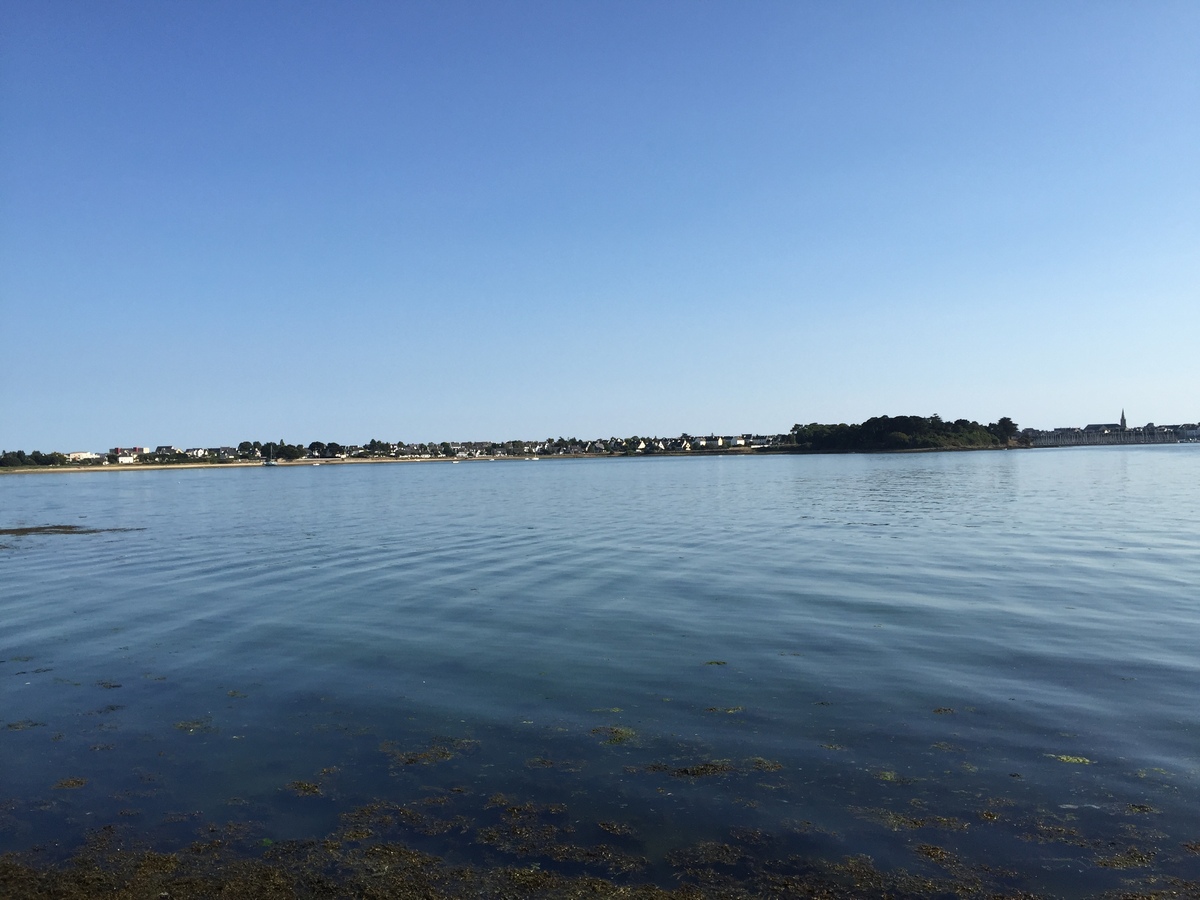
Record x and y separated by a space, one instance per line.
132 455
599 447
458 450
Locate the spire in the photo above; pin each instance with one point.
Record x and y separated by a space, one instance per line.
1122 420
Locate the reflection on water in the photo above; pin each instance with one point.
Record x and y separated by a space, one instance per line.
977 669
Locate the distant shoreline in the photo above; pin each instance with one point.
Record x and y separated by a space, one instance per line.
300 463
667 454
239 464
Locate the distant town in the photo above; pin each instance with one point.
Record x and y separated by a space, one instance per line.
879 434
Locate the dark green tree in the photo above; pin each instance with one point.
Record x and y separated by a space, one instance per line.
1004 429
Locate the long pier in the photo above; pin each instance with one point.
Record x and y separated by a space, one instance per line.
1078 437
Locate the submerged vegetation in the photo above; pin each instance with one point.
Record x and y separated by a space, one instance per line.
228 866
615 734
447 827
507 845
440 750
442 830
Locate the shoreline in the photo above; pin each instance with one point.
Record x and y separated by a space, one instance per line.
300 463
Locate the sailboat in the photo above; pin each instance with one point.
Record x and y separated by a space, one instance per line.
271 460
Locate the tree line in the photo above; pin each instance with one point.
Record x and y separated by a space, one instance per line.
903 433
11 459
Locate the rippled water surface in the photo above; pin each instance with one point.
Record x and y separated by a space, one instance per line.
971 665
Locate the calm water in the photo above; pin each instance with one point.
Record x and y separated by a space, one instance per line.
993 655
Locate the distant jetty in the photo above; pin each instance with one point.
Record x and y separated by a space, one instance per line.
1106 434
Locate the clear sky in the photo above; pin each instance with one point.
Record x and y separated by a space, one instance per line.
466 221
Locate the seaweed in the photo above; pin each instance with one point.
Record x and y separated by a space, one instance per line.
887 775
615 734
1129 858
27 530
440 750
530 829
895 821
196 726
932 852
710 769
761 764
621 829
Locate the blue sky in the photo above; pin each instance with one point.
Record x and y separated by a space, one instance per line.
335 221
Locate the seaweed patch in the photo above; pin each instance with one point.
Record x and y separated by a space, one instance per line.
615 734
23 724
438 751
27 530
1130 858
196 726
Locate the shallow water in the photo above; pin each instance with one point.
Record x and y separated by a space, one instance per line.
990 656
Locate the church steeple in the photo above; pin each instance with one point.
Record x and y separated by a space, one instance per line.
1122 420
